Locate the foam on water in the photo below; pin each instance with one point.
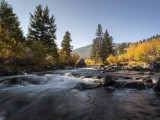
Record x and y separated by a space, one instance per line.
54 97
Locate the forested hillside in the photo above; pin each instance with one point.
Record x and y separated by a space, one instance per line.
84 52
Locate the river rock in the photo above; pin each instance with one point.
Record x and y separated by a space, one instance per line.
6 72
155 65
69 74
19 81
147 80
135 85
127 77
98 77
107 80
149 73
157 87
85 86
81 63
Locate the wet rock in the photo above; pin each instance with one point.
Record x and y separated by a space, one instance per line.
81 63
127 77
19 81
147 80
69 74
87 76
119 84
155 65
140 73
107 80
6 72
97 77
157 87
103 71
149 73
136 78
135 85
85 86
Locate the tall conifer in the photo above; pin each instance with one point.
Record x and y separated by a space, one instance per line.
43 28
66 46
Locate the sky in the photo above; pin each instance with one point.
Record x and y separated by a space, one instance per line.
125 20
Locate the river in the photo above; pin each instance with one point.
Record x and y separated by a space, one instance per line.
52 96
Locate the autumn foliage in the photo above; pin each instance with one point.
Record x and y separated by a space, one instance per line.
142 51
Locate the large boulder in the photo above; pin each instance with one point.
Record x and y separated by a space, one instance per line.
155 65
107 80
81 63
135 85
157 87
85 86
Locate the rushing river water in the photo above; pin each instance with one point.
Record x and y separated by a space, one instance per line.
52 96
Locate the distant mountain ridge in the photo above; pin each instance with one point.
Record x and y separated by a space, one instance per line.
84 52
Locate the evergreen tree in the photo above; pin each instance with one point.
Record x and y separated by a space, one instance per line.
96 46
43 28
102 45
106 46
121 49
9 24
95 50
99 33
66 44
36 28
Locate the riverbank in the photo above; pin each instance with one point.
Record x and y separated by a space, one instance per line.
56 95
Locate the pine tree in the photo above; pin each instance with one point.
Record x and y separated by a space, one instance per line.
99 32
121 49
95 50
99 37
43 28
66 44
102 45
96 46
106 46
36 29
9 24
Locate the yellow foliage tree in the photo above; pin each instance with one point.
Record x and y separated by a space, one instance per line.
142 51
131 52
111 59
121 58
89 61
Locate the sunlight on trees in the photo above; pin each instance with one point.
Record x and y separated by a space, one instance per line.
145 51
39 48
111 59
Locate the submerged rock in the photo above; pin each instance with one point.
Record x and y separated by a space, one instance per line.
85 86
19 81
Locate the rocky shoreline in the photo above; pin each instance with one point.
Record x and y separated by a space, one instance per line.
105 76
120 77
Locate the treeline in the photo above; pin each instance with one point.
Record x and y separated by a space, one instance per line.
139 53
38 49
142 52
